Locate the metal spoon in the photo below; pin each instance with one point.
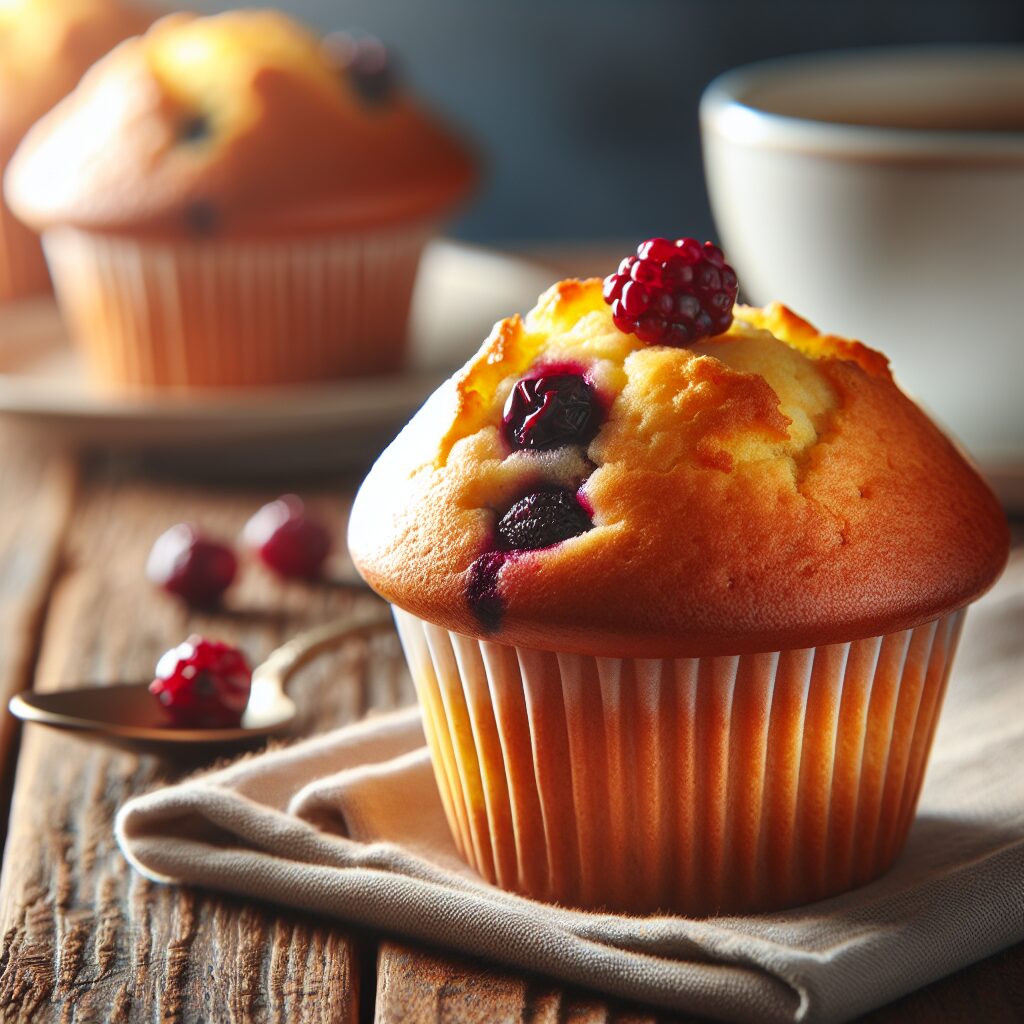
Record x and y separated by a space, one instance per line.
125 715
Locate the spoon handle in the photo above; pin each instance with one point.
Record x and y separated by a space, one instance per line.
289 657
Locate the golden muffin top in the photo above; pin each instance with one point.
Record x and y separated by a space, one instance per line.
766 488
45 47
243 122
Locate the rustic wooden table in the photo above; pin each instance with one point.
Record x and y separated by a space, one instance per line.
85 939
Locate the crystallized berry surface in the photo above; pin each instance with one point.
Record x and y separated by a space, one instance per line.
203 684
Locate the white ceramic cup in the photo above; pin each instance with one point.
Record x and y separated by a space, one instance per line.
880 194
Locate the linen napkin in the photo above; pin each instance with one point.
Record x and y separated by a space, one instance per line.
350 825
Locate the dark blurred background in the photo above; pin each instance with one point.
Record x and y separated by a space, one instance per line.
585 111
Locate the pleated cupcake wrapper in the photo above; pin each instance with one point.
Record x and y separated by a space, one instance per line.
211 313
22 266
690 785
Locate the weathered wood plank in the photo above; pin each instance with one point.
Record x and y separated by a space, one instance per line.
417 986
35 499
83 937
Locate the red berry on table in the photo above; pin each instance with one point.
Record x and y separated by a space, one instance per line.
203 684
191 566
672 292
287 540
551 410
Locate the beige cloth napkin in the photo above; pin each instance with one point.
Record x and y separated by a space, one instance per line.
351 825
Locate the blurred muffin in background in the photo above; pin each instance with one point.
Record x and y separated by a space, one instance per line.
45 46
231 201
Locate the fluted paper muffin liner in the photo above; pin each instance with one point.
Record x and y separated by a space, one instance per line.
211 313
691 785
22 266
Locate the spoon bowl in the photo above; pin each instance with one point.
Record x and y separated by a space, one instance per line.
125 715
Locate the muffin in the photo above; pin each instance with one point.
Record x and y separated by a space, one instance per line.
232 201
45 46
679 586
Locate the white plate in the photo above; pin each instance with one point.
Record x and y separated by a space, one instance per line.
460 294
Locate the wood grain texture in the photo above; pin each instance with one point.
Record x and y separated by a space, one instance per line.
36 494
83 937
417 986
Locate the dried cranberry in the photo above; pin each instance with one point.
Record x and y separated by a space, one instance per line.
203 684
672 293
551 410
287 540
542 519
191 566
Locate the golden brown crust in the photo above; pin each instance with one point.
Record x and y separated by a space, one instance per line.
796 331
286 143
757 492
